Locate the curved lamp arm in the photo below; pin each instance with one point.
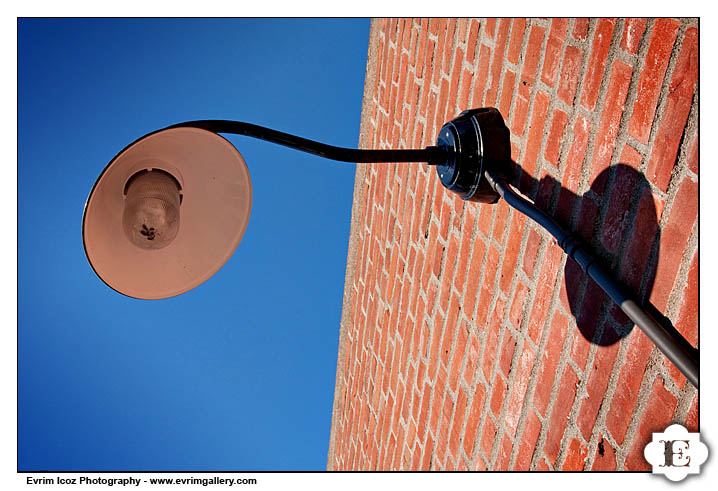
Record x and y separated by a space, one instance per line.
432 155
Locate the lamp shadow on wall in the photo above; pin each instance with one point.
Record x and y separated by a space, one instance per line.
616 219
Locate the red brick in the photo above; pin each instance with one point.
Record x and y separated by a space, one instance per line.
687 318
530 254
473 280
449 44
507 352
597 63
458 423
442 105
588 314
473 419
527 442
580 28
517 36
600 372
656 418
487 288
579 350
518 388
436 252
533 54
481 76
438 62
651 79
435 25
450 330
576 454
438 321
462 261
644 233
535 133
502 460
497 61
472 41
395 369
507 92
632 33
673 240
610 120
605 458
418 59
544 291
386 413
549 362
691 422
546 187
576 154
388 62
406 33
490 30
552 53
488 437
492 337
403 65
421 42
437 399
517 305
692 155
442 437
573 278
555 136
472 359
511 251
462 334
631 375
675 112
422 421
631 157
454 86
464 91
617 223
447 276
570 74
559 413
426 458
520 114
431 114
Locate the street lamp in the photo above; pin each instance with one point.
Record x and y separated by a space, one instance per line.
170 209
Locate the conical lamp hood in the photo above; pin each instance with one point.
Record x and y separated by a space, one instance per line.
215 193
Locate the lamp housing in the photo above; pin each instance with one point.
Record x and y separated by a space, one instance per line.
474 141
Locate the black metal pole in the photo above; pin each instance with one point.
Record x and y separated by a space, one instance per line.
432 155
685 361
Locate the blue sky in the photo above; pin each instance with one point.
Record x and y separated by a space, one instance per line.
239 373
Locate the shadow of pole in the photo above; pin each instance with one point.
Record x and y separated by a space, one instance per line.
616 221
610 233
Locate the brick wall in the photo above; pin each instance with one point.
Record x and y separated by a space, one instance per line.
468 341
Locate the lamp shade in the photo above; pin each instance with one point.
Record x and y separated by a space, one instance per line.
167 212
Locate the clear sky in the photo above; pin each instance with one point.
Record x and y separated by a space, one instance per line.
237 374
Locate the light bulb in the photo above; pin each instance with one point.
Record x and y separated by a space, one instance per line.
151 215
